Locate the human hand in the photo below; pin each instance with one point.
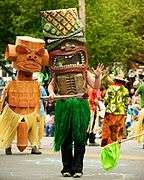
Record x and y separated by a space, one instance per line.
98 71
51 96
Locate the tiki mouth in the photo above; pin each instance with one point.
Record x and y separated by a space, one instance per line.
29 67
69 60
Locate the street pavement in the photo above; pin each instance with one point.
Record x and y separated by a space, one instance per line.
24 166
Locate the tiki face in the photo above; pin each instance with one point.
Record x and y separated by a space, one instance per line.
68 56
29 59
28 54
65 40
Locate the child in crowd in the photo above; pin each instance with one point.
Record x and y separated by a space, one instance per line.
101 114
49 125
132 114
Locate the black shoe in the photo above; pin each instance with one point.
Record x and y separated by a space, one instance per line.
35 150
77 175
8 151
66 174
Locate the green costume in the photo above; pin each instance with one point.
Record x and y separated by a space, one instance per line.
140 91
71 113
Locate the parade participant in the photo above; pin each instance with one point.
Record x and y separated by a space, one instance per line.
69 66
116 99
2 83
49 125
42 114
138 127
94 95
22 95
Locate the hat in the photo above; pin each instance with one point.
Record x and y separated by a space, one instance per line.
120 77
60 25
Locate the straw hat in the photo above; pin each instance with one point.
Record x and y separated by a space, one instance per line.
120 77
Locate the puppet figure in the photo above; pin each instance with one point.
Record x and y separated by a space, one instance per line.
20 100
69 67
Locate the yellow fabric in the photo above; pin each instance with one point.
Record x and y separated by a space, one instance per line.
139 127
8 127
41 121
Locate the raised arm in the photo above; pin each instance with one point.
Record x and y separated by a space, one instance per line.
94 79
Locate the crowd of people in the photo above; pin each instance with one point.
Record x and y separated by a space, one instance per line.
114 112
75 106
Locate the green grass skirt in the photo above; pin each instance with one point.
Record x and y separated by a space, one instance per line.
71 114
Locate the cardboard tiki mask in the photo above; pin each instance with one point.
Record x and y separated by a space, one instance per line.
68 55
28 55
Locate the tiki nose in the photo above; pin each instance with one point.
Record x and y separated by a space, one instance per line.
32 56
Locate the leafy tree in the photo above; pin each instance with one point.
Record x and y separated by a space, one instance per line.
113 29
22 17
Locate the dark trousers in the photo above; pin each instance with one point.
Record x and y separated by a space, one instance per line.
91 137
72 159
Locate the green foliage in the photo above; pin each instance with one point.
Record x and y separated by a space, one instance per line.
113 29
22 17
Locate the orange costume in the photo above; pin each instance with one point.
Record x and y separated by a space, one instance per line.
21 97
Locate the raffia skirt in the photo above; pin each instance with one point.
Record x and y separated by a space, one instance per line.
71 115
8 127
138 127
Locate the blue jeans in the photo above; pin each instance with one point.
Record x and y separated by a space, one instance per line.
49 130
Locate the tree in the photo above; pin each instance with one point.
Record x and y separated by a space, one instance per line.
22 17
112 29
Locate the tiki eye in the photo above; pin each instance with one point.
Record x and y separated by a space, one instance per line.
73 46
40 52
22 50
63 47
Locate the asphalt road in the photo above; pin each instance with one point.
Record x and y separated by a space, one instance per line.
24 166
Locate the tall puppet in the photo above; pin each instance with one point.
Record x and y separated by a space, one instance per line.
22 96
69 67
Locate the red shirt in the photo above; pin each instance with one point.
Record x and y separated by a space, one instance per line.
94 94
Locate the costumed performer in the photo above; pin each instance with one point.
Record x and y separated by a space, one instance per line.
116 100
69 68
22 96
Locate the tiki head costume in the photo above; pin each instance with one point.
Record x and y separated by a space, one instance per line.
68 63
28 55
68 55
